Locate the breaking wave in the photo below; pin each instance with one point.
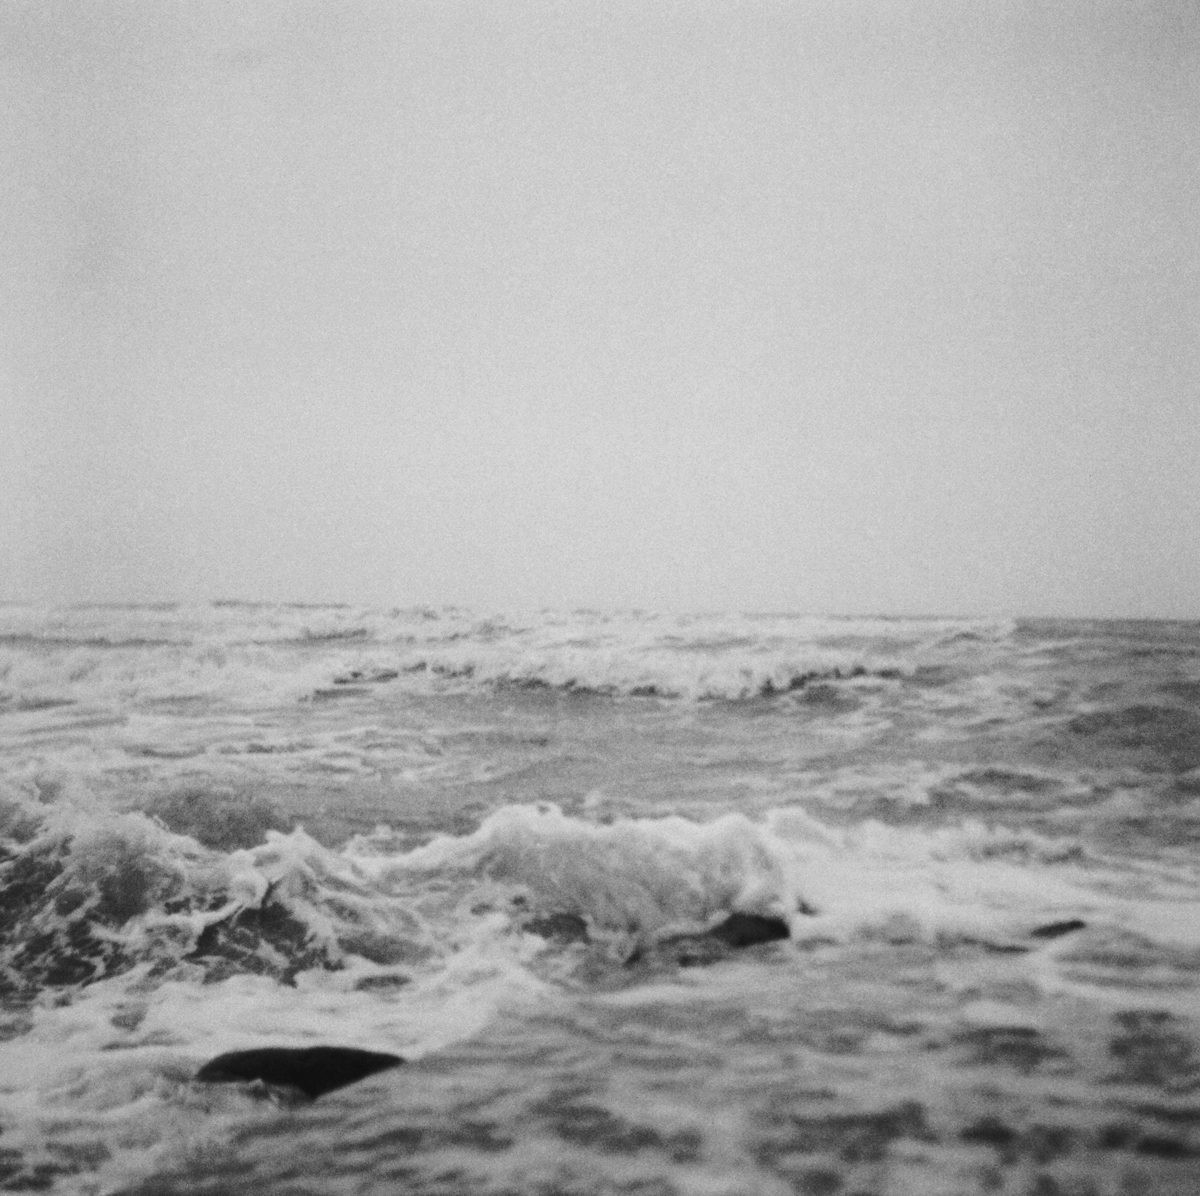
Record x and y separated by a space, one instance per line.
283 654
91 893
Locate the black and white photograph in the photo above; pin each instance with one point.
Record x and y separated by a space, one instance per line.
600 597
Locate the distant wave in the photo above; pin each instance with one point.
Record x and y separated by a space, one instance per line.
34 640
277 654
605 677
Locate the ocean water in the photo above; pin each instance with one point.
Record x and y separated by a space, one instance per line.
494 845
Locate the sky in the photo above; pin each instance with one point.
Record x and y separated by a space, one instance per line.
816 306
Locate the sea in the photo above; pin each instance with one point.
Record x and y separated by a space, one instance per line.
497 844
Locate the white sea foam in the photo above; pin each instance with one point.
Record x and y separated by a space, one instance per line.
162 905
111 1066
268 655
151 893
651 877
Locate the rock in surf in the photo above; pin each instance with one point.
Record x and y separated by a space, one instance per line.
312 1071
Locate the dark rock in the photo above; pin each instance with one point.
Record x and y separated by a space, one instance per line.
735 932
1054 930
313 1071
748 930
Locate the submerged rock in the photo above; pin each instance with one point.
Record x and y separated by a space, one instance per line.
312 1071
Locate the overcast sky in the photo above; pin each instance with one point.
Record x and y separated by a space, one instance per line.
818 306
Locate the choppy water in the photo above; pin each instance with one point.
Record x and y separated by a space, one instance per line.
477 842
